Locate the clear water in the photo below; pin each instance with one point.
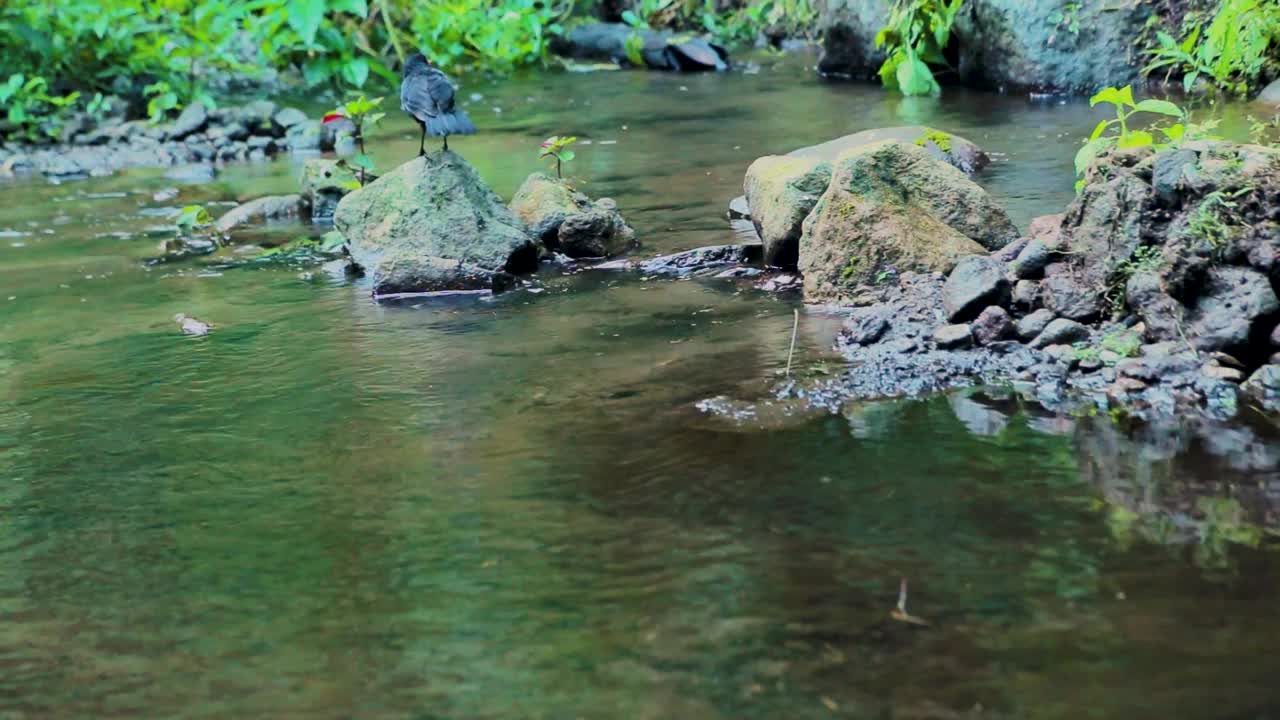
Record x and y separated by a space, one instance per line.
510 509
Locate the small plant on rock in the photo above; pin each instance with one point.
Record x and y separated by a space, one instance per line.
557 148
193 219
1117 133
27 105
362 112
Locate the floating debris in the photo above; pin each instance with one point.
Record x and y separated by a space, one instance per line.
192 326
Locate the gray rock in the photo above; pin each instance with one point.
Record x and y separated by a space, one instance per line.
865 326
304 136
953 337
257 116
1275 336
272 207
1270 95
193 119
433 225
332 131
567 221
976 282
739 208
1232 301
1264 387
1219 372
1060 332
1171 167
1026 294
993 325
288 117
702 259
1031 262
1030 327
1159 312
1071 298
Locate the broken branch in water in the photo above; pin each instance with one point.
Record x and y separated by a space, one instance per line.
795 326
900 613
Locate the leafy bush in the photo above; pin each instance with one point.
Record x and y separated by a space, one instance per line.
740 25
1232 50
915 38
26 102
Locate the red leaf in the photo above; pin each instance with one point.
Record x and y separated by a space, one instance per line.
331 117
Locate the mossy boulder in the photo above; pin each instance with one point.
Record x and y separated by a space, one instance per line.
567 221
782 190
433 225
324 183
891 206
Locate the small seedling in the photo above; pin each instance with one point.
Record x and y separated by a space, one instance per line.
362 113
1124 137
557 148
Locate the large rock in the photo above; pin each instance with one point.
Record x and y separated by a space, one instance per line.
432 225
781 190
893 207
1007 44
567 221
1071 298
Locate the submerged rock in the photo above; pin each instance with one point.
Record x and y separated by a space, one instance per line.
567 221
272 207
433 225
891 207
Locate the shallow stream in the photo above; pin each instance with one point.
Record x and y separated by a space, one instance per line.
510 508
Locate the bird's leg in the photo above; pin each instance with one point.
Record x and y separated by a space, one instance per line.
422 143
446 143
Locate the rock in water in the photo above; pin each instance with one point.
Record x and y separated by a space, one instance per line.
272 207
892 207
433 225
566 220
192 326
324 184
781 190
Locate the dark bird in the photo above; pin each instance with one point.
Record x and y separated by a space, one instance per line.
427 95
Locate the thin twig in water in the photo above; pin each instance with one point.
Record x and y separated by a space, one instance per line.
794 328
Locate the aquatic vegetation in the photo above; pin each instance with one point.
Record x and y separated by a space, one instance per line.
1232 50
557 148
915 38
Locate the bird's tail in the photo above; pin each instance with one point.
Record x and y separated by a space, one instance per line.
453 123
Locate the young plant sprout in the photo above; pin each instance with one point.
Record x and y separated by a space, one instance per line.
557 147
362 113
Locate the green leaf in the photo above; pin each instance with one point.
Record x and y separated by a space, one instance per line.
1091 150
359 8
567 155
1160 107
1101 128
305 17
1126 95
363 161
915 78
1106 95
356 72
1189 80
1135 139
